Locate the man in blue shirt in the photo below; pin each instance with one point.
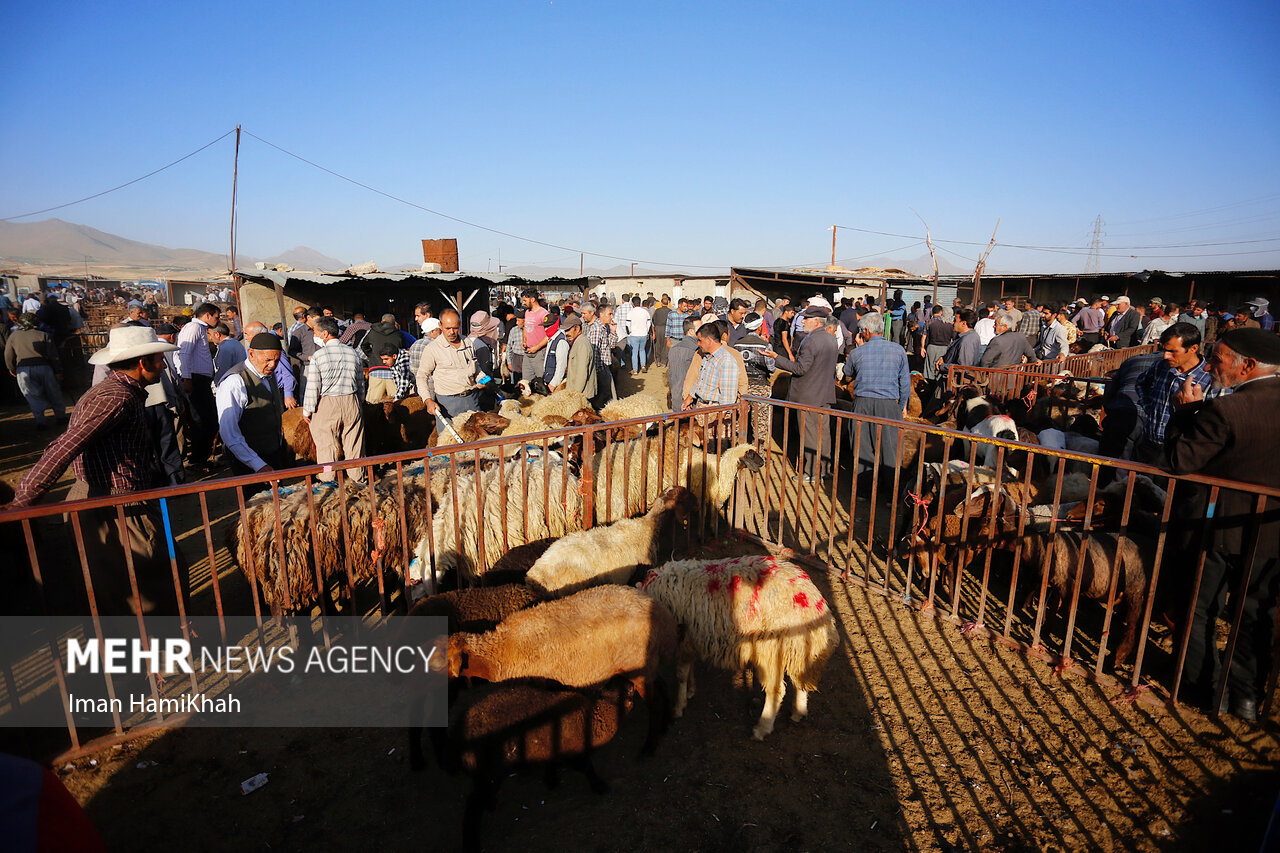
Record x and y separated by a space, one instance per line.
881 388
1180 361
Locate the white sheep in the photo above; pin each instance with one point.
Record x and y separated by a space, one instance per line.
636 406
759 612
611 553
563 403
549 505
629 475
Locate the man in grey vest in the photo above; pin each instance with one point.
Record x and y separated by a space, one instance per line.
250 406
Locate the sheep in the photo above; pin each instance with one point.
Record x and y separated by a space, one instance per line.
611 553
551 506
503 727
757 611
563 403
513 566
636 406
579 641
297 434
630 475
373 540
1064 550
473 426
479 609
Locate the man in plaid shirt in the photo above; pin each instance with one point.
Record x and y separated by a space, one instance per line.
332 403
717 383
1180 352
602 338
108 446
674 330
1030 325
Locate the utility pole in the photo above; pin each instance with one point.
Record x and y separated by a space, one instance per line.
933 255
235 176
582 260
833 247
1095 248
982 263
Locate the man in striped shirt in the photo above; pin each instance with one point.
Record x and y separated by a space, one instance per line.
331 405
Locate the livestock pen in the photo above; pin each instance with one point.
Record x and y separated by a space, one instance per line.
860 530
971 774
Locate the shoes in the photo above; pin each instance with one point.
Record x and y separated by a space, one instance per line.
807 478
1245 709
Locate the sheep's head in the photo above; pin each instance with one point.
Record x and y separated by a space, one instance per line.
584 416
457 658
751 460
678 501
488 424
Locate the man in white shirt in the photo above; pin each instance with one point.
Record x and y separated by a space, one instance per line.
250 406
639 327
195 368
986 328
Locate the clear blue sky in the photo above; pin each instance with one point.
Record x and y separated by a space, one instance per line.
685 133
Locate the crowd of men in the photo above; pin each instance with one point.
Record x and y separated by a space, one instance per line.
166 392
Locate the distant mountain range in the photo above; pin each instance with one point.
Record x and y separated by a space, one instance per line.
60 247
56 247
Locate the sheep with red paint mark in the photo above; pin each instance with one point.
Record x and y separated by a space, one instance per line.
759 612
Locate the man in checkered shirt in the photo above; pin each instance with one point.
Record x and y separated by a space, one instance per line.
108 446
332 404
603 339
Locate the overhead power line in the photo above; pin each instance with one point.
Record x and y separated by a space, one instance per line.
121 186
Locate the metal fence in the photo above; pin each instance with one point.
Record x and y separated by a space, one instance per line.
361 533
988 547
933 514
1016 380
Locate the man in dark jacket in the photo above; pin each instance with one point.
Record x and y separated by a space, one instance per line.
380 334
1008 347
1124 324
679 357
1233 437
813 383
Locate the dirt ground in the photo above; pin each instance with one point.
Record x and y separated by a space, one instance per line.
921 738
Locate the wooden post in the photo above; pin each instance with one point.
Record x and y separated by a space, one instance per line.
833 247
235 174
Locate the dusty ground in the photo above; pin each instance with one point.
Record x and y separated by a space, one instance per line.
921 738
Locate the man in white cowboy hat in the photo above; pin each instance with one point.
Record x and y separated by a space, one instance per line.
108 445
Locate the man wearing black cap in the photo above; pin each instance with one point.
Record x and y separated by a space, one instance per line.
250 406
813 383
1233 437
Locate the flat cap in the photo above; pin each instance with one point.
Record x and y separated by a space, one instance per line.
1260 345
266 341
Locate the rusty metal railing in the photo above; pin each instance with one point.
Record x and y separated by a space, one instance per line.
925 522
1018 379
359 532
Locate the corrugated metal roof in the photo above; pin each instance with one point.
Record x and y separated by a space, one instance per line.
412 277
